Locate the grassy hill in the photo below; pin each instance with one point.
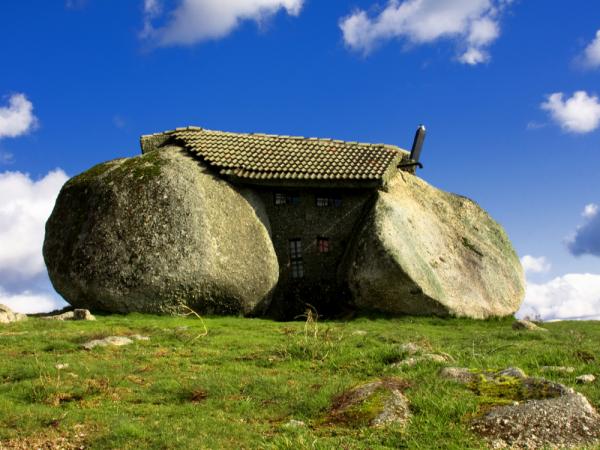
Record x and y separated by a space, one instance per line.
237 383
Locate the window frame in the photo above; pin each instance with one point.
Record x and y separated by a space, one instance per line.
281 198
323 244
296 258
328 200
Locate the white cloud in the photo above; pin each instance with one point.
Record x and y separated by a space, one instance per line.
25 204
586 239
591 54
578 114
590 211
28 302
532 264
572 296
200 20
473 24
17 118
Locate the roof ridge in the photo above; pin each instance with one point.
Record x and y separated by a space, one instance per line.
280 136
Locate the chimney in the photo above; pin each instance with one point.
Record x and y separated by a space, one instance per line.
417 146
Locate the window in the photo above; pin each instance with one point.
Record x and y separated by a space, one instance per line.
279 198
324 201
297 268
283 198
323 245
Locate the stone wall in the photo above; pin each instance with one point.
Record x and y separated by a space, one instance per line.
302 219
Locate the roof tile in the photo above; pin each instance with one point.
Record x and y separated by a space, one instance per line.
262 156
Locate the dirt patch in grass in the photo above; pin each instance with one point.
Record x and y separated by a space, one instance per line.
198 395
49 440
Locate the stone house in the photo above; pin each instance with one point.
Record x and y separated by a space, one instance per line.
316 193
254 224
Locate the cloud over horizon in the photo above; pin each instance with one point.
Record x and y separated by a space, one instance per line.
25 205
472 24
571 296
17 118
577 114
194 21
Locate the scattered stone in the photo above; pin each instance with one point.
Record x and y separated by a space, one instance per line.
585 379
514 372
427 357
423 251
411 348
375 404
8 316
113 340
139 337
359 333
62 366
459 374
532 412
557 369
565 421
293 423
526 325
76 314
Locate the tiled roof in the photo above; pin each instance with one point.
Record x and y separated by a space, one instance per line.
270 157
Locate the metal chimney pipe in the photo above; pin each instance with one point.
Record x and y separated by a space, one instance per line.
417 146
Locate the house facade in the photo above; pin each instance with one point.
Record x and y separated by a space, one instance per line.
315 194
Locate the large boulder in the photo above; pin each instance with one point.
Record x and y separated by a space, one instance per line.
157 231
423 251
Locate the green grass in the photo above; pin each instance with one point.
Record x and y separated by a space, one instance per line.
239 385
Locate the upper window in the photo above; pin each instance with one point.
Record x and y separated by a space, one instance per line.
286 198
324 201
323 245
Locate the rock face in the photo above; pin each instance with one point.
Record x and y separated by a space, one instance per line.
152 232
423 251
567 421
8 316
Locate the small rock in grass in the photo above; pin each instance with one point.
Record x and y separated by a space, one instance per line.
83 314
375 404
526 325
139 337
557 369
514 372
111 340
62 366
76 314
427 357
585 379
458 374
293 423
411 348
359 333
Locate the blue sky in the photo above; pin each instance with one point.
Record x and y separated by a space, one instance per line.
99 73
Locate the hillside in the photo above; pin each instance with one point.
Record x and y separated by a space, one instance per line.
250 383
